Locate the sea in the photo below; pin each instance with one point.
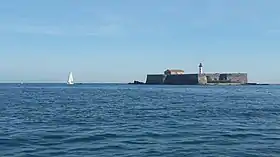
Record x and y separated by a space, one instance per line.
121 120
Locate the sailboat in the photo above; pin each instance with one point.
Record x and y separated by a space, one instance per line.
70 80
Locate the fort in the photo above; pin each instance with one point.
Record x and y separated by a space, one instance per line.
178 77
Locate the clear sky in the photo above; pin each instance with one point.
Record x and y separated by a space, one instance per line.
123 40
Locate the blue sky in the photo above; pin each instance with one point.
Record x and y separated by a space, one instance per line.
123 40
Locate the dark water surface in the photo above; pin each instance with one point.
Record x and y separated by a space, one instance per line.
47 120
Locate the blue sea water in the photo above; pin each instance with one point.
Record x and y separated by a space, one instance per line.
106 120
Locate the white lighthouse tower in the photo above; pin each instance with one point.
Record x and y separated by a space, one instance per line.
200 68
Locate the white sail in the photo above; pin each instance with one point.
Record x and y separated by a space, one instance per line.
70 79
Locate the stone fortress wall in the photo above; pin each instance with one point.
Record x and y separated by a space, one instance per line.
178 77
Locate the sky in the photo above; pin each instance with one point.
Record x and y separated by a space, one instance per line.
123 40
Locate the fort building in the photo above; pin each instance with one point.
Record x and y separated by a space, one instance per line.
178 77
173 72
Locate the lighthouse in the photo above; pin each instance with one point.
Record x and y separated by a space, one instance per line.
200 68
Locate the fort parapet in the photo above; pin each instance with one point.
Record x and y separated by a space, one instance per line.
193 79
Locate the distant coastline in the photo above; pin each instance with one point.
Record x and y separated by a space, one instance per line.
210 84
135 82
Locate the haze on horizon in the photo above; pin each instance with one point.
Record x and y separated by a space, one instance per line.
122 41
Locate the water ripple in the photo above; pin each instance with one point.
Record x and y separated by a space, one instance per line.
127 120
